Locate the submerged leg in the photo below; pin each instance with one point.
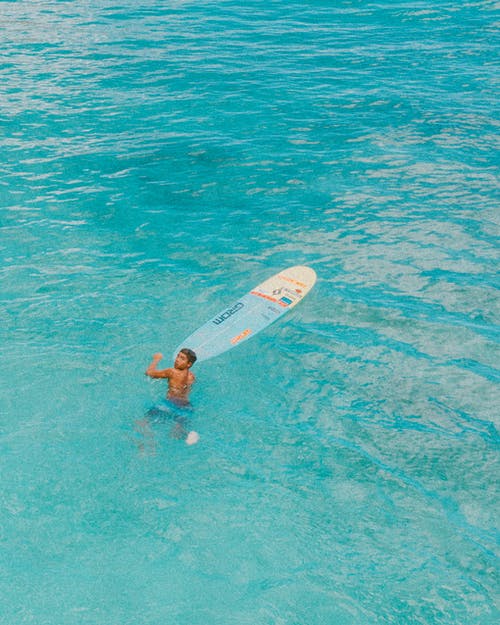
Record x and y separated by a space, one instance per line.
180 431
147 446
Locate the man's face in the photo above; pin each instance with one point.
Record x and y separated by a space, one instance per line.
181 361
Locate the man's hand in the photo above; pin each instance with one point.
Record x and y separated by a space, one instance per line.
152 371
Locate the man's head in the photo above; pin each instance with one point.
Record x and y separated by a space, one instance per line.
189 354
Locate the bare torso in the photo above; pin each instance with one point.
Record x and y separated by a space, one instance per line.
179 385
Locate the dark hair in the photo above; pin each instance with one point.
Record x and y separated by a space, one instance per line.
191 356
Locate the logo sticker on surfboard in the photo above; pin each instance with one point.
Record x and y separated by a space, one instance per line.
241 336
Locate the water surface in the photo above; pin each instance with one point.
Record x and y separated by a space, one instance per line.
159 160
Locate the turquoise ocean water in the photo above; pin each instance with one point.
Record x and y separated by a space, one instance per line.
157 160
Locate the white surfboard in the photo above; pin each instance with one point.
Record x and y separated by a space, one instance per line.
266 303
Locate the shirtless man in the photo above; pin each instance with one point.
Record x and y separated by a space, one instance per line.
180 380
